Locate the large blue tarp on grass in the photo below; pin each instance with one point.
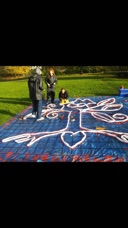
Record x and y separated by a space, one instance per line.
87 129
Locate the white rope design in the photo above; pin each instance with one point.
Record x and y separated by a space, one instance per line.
89 107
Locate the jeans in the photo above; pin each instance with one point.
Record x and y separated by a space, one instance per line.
37 108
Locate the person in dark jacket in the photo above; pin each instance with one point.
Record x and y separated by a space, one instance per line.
63 96
35 85
51 82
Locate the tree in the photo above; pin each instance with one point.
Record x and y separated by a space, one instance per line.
14 71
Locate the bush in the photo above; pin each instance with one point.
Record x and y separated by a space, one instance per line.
14 70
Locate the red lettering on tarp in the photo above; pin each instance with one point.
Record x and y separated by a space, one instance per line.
8 154
44 157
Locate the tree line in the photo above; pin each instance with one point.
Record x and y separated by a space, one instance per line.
25 71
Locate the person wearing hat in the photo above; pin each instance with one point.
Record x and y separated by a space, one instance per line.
35 85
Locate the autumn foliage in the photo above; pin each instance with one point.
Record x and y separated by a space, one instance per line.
14 71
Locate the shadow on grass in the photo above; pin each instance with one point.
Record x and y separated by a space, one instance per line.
13 79
3 112
89 77
22 101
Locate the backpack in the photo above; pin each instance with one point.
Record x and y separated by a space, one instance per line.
32 84
31 80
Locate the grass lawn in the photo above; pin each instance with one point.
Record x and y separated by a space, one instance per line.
14 96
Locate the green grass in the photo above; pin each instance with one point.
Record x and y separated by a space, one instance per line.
14 96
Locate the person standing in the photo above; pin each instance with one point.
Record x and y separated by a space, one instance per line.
51 82
35 85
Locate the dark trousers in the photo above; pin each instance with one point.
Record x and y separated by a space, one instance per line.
37 108
51 94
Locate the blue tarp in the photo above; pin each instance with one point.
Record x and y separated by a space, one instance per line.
88 129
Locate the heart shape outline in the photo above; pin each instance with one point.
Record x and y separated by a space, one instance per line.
72 134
